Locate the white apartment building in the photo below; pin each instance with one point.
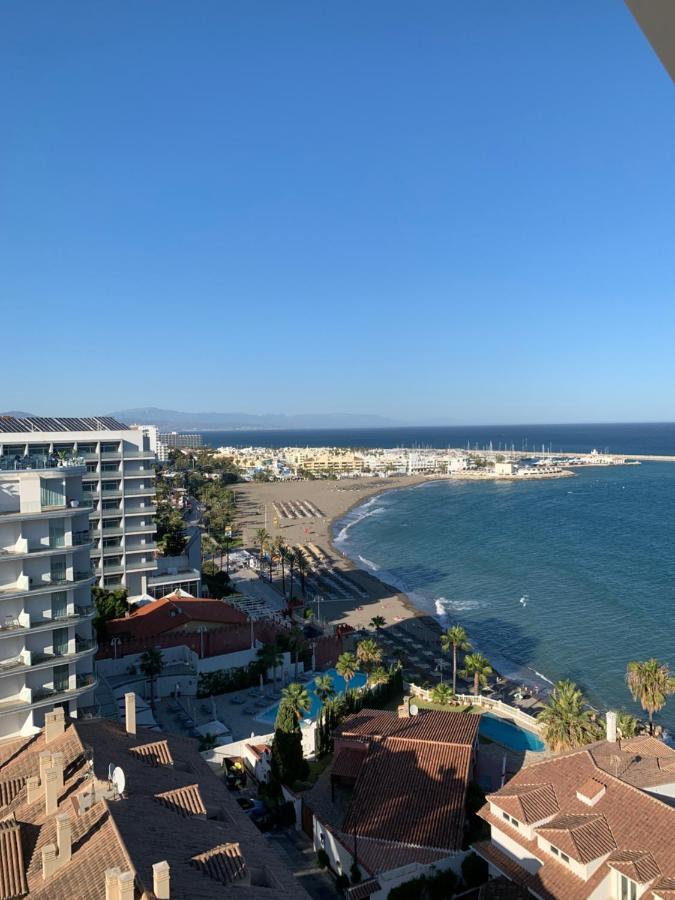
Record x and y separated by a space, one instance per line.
119 481
46 639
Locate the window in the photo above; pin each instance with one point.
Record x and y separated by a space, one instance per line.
57 537
563 856
510 819
61 679
627 888
52 492
59 605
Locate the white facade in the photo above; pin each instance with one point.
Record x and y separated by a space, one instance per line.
119 481
46 638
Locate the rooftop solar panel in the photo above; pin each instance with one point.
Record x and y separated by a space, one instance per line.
13 425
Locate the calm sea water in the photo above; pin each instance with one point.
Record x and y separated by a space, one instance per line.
655 438
565 578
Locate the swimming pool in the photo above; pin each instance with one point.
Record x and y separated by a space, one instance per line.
505 732
269 715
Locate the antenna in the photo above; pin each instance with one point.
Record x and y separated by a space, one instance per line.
119 781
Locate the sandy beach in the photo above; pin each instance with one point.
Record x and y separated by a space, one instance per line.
333 499
317 506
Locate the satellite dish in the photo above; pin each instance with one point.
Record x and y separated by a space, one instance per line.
413 709
118 780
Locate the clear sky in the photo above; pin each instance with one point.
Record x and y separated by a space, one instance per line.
437 211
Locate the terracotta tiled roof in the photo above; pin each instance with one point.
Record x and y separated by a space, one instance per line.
186 801
155 754
411 793
642 761
591 789
638 865
258 749
635 827
12 872
664 887
528 802
347 763
363 890
136 831
172 613
224 863
429 725
583 837
9 788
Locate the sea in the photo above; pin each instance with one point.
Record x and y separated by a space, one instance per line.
559 578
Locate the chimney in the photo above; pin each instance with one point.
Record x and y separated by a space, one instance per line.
130 712
45 760
404 710
33 788
63 838
125 886
51 784
160 880
111 886
57 764
611 727
49 861
55 724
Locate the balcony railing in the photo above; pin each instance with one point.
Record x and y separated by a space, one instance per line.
23 463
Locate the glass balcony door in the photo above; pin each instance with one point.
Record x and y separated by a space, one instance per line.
59 605
58 569
57 533
61 679
60 642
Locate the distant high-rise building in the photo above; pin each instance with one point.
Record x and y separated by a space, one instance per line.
46 612
176 440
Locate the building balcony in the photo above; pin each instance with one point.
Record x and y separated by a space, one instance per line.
29 659
141 492
139 454
150 528
40 463
51 512
29 698
24 622
141 511
26 587
139 473
150 547
81 540
138 566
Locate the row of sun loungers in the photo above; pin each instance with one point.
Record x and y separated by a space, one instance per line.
326 578
297 509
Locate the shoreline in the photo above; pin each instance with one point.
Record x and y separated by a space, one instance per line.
403 616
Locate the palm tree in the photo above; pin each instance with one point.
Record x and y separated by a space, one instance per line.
291 559
262 537
152 664
284 553
378 675
302 566
347 666
377 622
296 642
442 694
650 683
457 638
626 725
280 551
269 657
477 667
368 653
323 687
567 722
297 699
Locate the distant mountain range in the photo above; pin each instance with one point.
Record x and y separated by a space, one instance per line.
173 420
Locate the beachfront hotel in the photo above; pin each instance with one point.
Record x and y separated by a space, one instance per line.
119 483
46 639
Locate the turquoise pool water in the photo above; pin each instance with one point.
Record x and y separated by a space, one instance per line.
269 715
507 733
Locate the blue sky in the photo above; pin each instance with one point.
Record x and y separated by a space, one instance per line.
438 212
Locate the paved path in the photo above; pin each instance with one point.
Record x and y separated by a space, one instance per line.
299 853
